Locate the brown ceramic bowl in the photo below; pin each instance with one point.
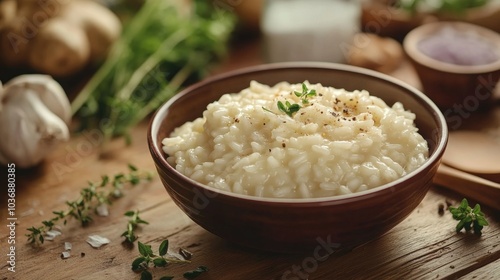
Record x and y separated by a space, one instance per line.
291 225
449 85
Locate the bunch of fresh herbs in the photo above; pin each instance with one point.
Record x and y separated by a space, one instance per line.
165 46
450 6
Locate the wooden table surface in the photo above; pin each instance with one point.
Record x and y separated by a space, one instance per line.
424 246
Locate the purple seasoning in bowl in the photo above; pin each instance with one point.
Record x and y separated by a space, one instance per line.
457 63
459 47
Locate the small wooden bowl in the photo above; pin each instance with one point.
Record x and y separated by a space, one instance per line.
298 225
451 85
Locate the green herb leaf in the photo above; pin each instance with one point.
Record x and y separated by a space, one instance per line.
129 213
159 262
162 251
137 264
281 107
132 167
145 250
195 273
146 275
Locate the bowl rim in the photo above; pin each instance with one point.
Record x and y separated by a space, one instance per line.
159 156
410 45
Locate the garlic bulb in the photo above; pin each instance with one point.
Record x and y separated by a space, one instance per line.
34 118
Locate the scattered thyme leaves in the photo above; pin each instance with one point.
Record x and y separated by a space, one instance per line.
469 218
289 108
132 224
147 258
84 207
195 273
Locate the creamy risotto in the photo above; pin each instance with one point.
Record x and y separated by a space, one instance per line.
337 142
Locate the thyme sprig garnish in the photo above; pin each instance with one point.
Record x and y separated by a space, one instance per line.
306 93
288 108
291 108
142 264
132 224
469 218
84 207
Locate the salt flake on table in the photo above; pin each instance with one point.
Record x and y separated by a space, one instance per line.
102 210
67 246
51 234
97 241
65 255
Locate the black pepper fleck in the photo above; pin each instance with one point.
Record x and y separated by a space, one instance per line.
441 209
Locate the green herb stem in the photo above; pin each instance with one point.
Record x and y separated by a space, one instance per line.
167 92
136 78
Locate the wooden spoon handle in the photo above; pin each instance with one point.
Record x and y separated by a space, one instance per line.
471 186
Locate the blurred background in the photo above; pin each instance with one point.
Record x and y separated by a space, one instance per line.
34 37
138 47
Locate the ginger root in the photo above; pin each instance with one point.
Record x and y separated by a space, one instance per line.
56 37
374 52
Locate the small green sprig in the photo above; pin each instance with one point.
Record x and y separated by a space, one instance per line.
132 224
469 218
147 258
289 108
91 197
306 93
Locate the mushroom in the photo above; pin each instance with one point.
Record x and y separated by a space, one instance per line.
34 117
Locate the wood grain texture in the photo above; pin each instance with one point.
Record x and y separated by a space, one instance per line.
424 246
